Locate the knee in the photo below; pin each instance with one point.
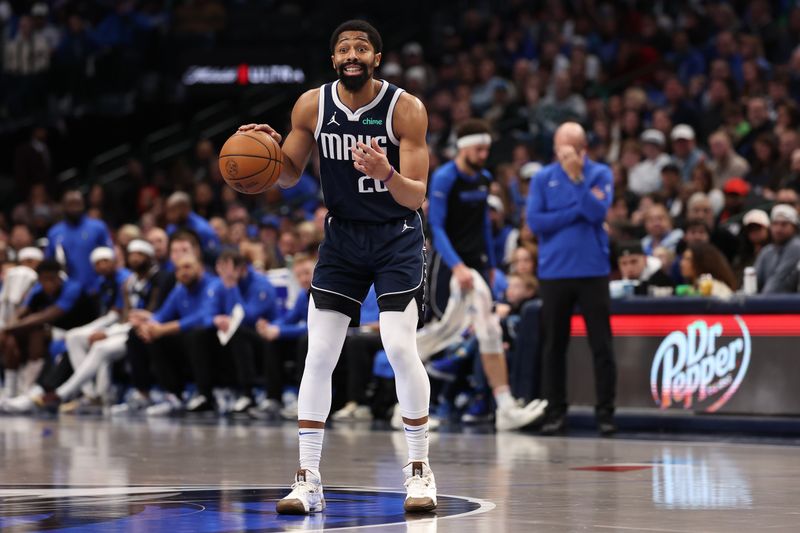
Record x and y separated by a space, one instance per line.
319 362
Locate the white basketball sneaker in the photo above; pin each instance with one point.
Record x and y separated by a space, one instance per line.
421 488
516 417
306 496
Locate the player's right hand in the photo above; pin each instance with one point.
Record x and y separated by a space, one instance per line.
266 128
464 276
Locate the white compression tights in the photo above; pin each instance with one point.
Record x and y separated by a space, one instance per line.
399 334
327 331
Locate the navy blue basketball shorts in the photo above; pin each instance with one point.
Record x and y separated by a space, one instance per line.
440 276
354 255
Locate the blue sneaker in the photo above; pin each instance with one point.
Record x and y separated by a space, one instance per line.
479 411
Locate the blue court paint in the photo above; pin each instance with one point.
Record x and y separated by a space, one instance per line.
204 510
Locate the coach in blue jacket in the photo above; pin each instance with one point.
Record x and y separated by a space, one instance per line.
567 204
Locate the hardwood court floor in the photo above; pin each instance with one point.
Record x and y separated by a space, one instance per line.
78 474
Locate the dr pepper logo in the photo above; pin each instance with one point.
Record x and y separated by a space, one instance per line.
695 369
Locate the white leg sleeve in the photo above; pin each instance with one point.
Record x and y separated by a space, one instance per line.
398 333
102 352
486 324
326 333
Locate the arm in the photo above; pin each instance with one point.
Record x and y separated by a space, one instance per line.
784 278
299 142
169 309
541 221
408 183
596 201
437 214
45 316
487 231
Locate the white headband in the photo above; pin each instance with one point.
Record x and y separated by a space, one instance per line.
142 247
474 139
100 253
30 253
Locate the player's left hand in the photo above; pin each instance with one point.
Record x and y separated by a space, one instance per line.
371 160
222 322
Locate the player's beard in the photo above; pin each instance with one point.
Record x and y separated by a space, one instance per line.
354 83
475 166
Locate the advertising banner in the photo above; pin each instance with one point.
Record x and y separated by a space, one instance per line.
743 364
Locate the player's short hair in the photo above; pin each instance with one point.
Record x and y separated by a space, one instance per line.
185 235
528 281
302 257
48 266
472 126
232 254
358 25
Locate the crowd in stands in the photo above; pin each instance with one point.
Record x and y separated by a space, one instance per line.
693 105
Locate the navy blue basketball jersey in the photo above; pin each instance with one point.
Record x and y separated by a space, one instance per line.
348 193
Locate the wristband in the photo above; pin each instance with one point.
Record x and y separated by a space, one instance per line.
391 174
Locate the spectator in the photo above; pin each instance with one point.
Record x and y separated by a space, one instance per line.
670 190
776 264
736 192
645 177
725 163
792 181
52 302
759 124
764 175
560 105
789 197
633 264
699 208
573 268
685 152
72 240
287 339
27 60
504 235
32 163
159 240
660 232
753 238
238 284
180 215
703 258
175 330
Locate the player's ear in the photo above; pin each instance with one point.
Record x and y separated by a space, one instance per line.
378 57
333 62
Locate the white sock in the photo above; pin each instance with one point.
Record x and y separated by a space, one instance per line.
10 384
310 448
503 398
417 439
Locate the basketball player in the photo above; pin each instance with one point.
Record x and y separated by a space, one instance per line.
462 242
374 167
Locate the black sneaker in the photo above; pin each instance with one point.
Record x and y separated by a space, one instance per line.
606 426
556 425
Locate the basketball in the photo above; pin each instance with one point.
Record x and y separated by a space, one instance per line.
251 161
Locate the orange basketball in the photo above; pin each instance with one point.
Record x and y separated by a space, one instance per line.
251 161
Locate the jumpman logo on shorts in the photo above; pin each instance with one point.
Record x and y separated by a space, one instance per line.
333 120
406 226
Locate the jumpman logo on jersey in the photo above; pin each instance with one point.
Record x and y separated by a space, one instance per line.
406 226
333 120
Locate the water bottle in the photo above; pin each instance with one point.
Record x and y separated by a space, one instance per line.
750 285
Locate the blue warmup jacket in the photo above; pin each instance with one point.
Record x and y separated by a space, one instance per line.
568 219
254 293
78 241
191 306
209 241
293 324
